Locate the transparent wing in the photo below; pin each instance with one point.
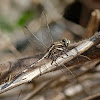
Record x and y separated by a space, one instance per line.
33 39
46 36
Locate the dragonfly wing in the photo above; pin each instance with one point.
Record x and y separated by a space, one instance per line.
46 36
33 39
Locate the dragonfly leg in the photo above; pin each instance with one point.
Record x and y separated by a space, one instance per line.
83 56
53 58
68 71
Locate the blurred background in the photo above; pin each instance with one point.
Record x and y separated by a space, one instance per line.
14 14
66 18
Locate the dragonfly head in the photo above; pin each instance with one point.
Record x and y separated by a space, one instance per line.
66 42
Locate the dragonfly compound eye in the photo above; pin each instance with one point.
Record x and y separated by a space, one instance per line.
63 40
66 42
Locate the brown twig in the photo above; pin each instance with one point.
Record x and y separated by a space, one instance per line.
93 97
93 24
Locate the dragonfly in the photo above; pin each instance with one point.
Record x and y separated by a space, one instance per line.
52 52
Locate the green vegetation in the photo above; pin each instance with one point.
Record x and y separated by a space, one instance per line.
26 16
5 25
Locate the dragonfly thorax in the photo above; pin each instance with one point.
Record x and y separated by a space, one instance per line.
57 49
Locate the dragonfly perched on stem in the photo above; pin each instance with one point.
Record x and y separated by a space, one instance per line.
54 50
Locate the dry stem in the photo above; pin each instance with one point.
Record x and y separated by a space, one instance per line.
87 48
